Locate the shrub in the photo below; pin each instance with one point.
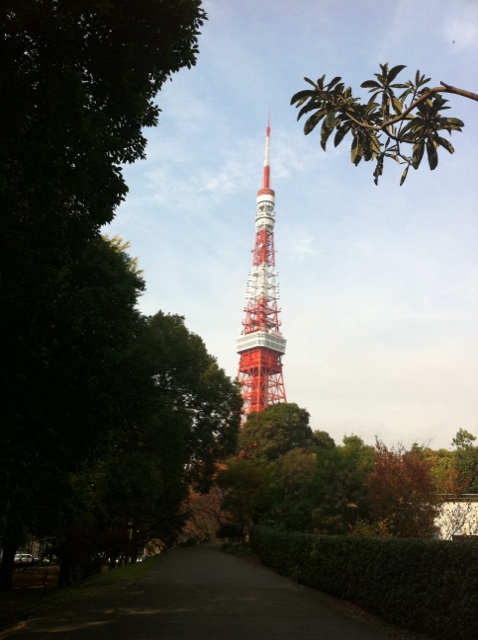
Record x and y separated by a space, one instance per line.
428 586
229 530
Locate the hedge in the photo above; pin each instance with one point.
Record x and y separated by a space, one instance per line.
429 586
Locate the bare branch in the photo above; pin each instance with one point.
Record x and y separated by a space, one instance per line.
460 92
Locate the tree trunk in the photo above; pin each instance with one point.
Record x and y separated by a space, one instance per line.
8 564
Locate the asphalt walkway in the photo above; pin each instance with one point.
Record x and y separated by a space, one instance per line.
201 593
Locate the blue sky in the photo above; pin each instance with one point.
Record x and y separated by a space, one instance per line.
379 285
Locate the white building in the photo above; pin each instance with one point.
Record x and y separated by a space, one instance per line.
458 517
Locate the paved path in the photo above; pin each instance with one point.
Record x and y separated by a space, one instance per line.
200 593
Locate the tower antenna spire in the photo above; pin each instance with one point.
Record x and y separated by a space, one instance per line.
261 345
266 176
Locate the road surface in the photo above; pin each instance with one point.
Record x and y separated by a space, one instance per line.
204 594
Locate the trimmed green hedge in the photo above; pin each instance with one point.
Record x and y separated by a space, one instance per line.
428 586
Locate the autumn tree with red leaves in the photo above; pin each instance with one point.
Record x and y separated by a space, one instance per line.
402 494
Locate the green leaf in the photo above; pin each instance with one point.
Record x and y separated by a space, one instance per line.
311 106
393 73
311 123
333 82
385 102
311 81
404 174
432 155
446 143
397 105
330 119
301 96
413 126
356 151
374 144
325 134
341 133
370 84
378 169
417 155
454 124
371 103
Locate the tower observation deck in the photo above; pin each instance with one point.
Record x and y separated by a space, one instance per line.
261 344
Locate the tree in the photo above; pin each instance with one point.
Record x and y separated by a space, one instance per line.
73 392
80 78
443 471
277 429
398 126
186 418
245 484
401 493
340 498
272 480
190 398
291 497
181 412
203 515
466 460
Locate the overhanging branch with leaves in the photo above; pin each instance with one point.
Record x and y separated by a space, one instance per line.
399 126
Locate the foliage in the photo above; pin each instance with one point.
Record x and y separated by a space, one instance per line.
272 479
190 396
340 496
280 493
400 121
79 79
466 460
72 366
277 429
300 479
202 514
443 471
76 554
245 484
184 416
230 530
401 492
424 585
179 413
291 496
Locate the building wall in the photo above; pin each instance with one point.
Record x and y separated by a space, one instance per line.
458 518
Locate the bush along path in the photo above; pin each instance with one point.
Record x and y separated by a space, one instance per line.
428 586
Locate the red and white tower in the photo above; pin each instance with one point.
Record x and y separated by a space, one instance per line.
261 345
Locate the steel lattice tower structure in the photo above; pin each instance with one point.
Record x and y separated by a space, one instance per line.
261 345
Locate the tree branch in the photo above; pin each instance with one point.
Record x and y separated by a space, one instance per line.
445 88
460 92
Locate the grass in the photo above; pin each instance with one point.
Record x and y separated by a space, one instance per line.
36 589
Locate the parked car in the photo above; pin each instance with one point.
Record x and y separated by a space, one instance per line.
23 558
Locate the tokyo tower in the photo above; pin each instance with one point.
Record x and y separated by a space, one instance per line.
261 345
